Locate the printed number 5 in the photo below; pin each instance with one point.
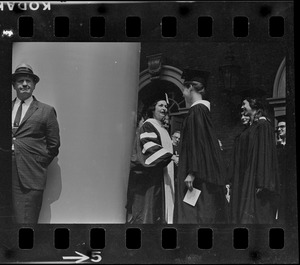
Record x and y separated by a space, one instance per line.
96 256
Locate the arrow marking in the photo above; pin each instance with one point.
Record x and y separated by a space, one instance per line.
78 259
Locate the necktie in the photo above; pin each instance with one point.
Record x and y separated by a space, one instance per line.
18 117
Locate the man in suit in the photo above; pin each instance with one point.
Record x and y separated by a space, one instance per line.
35 142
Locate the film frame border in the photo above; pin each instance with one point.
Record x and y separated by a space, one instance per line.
186 14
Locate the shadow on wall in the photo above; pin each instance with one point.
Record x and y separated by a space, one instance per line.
52 191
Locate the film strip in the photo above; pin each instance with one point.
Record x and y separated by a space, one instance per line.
132 27
120 54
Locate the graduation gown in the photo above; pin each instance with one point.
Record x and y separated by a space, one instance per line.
200 154
151 181
284 183
255 179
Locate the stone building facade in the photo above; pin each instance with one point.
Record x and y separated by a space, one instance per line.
253 68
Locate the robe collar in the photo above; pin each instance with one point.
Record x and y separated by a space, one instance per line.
154 121
201 101
260 118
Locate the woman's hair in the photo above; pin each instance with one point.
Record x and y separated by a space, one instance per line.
199 87
259 105
151 109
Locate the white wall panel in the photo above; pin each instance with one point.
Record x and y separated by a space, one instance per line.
93 87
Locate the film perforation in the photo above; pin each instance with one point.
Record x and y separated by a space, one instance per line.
97 238
26 28
133 26
169 238
62 238
205 238
240 238
61 27
240 26
276 238
133 238
169 27
276 26
97 26
26 238
205 26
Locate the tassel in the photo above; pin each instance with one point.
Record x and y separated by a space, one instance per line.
167 98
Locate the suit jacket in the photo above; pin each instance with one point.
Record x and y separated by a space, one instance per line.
36 143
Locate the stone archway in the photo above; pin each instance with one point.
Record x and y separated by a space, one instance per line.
279 88
166 72
278 101
170 74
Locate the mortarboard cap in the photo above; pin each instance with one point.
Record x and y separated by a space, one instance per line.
190 75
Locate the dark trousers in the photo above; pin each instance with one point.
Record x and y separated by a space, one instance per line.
26 203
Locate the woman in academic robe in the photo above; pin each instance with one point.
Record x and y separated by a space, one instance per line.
151 188
255 179
235 165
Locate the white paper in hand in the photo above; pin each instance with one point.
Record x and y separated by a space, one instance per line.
191 197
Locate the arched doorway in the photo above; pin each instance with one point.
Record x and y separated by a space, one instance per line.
166 78
164 72
278 101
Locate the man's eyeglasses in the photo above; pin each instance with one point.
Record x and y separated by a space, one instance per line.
190 83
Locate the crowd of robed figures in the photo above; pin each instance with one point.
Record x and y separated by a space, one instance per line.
167 184
192 185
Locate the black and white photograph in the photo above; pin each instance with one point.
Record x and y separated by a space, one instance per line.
182 132
100 104
228 103
84 133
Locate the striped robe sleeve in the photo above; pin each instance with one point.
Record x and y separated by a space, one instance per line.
154 155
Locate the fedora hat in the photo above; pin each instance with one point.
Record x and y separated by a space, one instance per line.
25 69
